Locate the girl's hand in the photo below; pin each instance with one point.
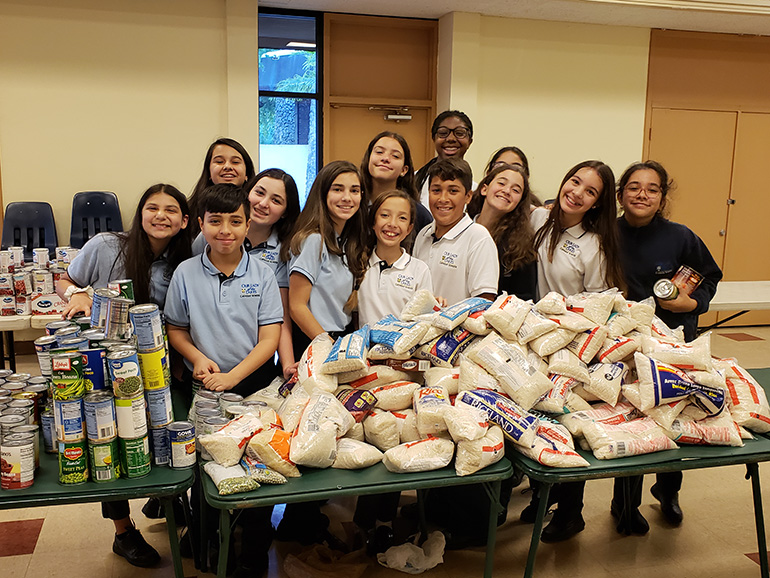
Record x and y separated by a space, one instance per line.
682 304
203 368
79 302
441 301
290 370
220 381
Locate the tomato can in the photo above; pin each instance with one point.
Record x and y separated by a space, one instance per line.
18 458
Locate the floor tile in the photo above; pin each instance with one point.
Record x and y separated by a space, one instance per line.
19 537
15 566
742 337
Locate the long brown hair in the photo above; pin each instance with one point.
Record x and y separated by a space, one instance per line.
600 219
513 234
405 182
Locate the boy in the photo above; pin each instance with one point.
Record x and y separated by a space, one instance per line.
461 255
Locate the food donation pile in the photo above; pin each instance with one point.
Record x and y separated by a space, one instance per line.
440 383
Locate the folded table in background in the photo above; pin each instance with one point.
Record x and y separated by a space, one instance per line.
740 296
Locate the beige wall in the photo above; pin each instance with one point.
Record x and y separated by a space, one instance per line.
116 95
561 92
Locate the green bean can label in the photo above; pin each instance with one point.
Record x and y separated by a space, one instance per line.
125 373
73 463
104 460
67 376
135 460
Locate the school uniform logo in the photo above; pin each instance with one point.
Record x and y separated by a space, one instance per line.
250 290
405 281
269 257
570 248
449 259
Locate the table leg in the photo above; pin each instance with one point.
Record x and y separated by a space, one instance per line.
625 514
224 542
421 495
542 507
203 526
190 529
2 350
493 490
11 351
753 473
173 538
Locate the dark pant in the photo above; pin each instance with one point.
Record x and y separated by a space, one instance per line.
376 507
569 496
669 483
116 510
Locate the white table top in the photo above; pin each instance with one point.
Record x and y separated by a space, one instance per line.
21 322
741 295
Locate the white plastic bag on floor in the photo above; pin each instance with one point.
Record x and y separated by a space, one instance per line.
412 559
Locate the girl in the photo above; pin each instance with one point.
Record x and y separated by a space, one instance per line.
577 248
501 203
387 165
509 155
157 242
653 248
226 162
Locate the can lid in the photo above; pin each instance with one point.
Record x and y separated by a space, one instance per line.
144 308
73 340
121 353
67 330
98 395
180 425
58 324
229 396
45 340
104 292
18 377
14 443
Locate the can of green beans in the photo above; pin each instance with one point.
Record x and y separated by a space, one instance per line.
73 463
135 459
67 375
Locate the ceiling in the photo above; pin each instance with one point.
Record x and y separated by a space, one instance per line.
730 16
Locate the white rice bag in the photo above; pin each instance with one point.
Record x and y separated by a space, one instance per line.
292 407
477 323
712 431
227 444
377 375
432 333
746 398
400 336
348 377
618 348
564 362
573 321
348 353
430 404
587 344
583 394
452 316
594 306
381 429
448 378
537 362
517 424
230 479
665 414
631 438
553 430
695 355
560 399
269 395
620 323
395 396
552 303
309 373
604 412
355 455
553 453
660 330
407 427
507 314
605 380
466 423
713 378
660 383
380 352
473 376
421 456
475 455
510 366
551 342
356 432
445 349
535 324
422 302
272 448
314 443
643 313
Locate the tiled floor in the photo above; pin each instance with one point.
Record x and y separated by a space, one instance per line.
715 540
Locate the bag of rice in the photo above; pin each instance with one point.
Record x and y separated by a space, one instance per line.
712 431
518 425
551 342
466 423
507 314
356 432
631 438
377 375
292 407
400 336
430 404
260 472
618 348
695 355
444 350
564 362
643 312
445 377
432 333
605 380
269 395
660 330
620 323
348 377
664 415
452 316
537 362
552 430
583 394
473 376
358 402
476 323
314 442
552 303
407 427
713 378
381 429
554 400
594 306
712 400
230 479
747 399
660 383
394 396
226 445
272 448
553 453
510 366
421 456
422 302
573 322
475 455
355 455
535 324
380 352
309 372
348 353
603 412
587 344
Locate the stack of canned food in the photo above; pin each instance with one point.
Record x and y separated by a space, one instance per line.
22 398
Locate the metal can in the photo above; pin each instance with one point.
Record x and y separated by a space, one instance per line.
40 257
22 282
104 460
49 431
42 281
125 287
687 279
73 462
14 386
7 305
18 457
6 262
210 425
99 306
69 421
227 399
154 367
39 393
83 321
101 421
16 377
9 421
28 405
159 445
125 375
17 254
59 254
181 436
76 343
131 417
665 289
43 346
23 305
159 406
31 432
70 330
54 326
117 325
147 325
95 369
135 461
69 253
67 375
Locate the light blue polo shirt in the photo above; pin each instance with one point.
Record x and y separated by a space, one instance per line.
269 252
223 314
100 261
332 282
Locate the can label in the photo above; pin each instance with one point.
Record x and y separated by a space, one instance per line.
155 370
135 459
159 444
159 406
99 306
131 417
68 416
124 287
49 432
67 376
125 374
43 346
7 305
117 325
73 463
101 421
181 437
104 459
18 470
22 305
147 326
94 369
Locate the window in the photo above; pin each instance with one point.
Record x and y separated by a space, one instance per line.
289 111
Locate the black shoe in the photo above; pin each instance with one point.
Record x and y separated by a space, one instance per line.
152 509
529 513
379 540
638 525
562 527
669 505
133 547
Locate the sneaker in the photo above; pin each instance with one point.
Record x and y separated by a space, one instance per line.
669 505
562 527
637 524
133 547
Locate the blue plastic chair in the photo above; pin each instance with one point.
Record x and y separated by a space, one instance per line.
29 224
93 212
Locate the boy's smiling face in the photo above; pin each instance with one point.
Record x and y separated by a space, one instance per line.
225 232
447 202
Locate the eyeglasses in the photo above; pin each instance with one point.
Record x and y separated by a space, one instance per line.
459 132
636 189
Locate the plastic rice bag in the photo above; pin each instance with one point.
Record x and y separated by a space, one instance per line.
475 455
348 353
430 404
695 355
620 323
618 348
226 445
573 321
413 559
230 479
465 422
448 378
559 400
660 383
551 342
552 303
355 455
309 371
432 333
269 394
314 443
381 429
356 432
507 314
445 349
553 453
377 375
407 428
660 330
272 448
552 430
395 396
746 398
422 302
594 306
348 377
473 376
582 393
358 402
606 413
452 316
517 424
564 362
605 380
477 323
260 472
537 362
713 378
664 415
535 324
712 431
643 313
292 407
400 336
421 456
380 352
587 344
510 366
631 438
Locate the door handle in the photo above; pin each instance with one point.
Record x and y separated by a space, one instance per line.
722 232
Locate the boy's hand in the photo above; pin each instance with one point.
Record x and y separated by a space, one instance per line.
204 367
290 370
220 381
78 302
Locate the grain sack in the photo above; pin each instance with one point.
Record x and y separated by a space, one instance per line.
269 395
631 438
517 424
355 455
618 348
605 380
407 427
537 362
348 377
272 448
507 314
394 396
422 302
695 355
551 429
587 344
643 313
292 407
445 349
430 404
594 306
604 412
619 324
356 432
475 455
314 442
552 303
380 352
664 415
551 342
400 336
476 323
377 375
659 382
348 353
227 444
445 377
535 324
564 362
660 330
552 453
584 394
230 479
452 316
309 371
561 399
421 456
473 376
572 321
358 402
381 429
466 423
746 398
712 431
713 378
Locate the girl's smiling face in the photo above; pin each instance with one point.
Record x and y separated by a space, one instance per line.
162 217
343 199
386 162
227 166
504 192
580 194
642 197
268 201
393 222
